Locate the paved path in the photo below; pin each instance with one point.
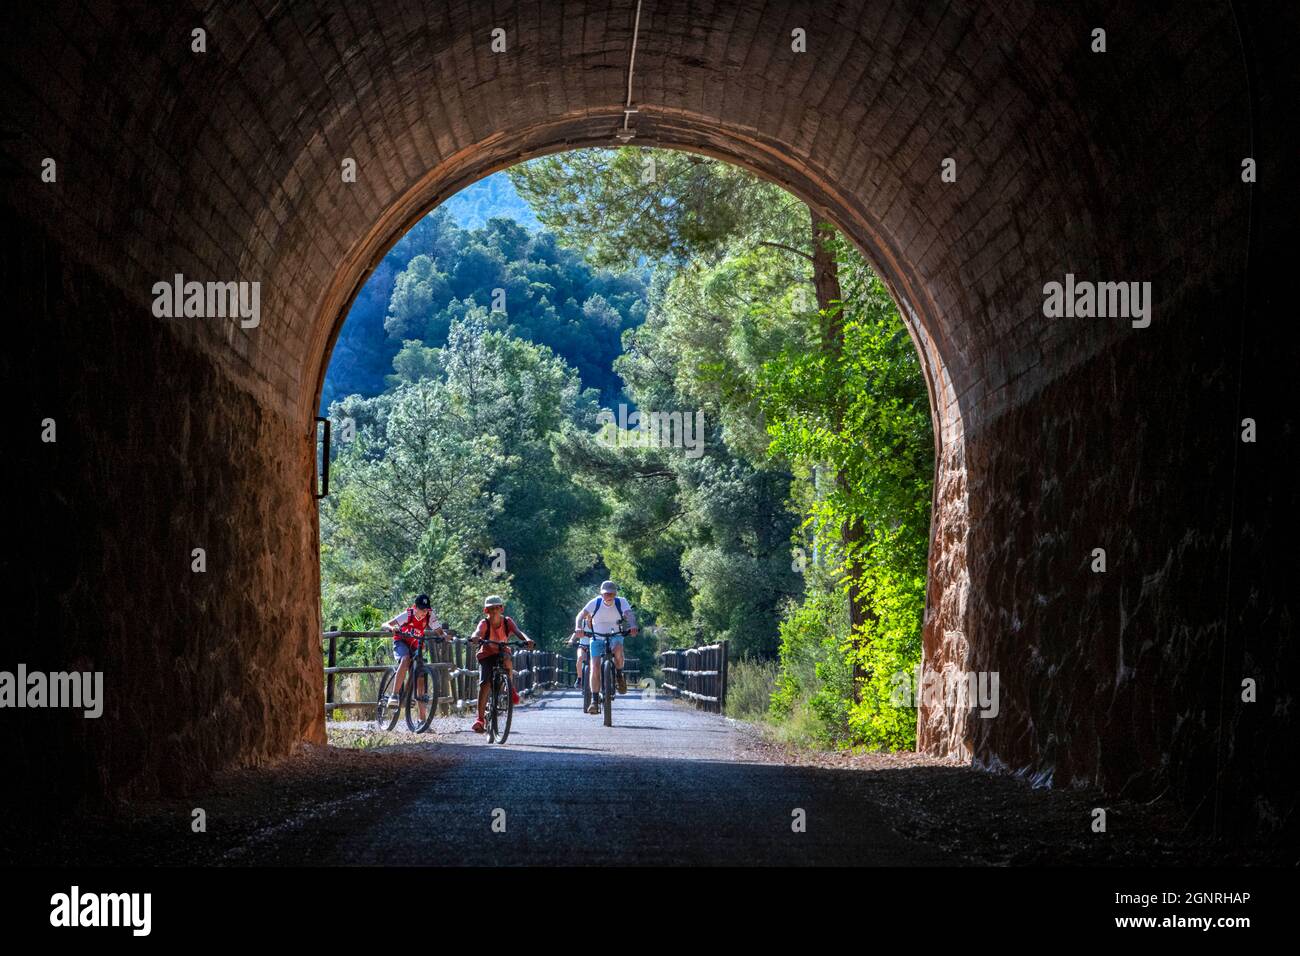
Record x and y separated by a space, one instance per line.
667 784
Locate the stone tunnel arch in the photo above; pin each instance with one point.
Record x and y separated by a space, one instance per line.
1057 436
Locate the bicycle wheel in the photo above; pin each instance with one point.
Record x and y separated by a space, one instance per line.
607 689
586 686
423 697
492 705
386 714
505 708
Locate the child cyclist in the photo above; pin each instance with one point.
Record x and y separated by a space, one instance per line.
407 629
496 625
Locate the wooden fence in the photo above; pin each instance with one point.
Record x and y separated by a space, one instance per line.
698 674
454 661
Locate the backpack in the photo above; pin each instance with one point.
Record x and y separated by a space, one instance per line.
489 650
619 606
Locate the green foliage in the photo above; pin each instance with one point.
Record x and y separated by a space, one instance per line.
703 541
620 206
864 413
815 679
733 329
750 682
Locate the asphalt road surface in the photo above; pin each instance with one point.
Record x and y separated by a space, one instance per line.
666 784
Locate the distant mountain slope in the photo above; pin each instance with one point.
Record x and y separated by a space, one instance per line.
473 206
524 282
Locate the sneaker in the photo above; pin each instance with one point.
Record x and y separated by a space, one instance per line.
622 683
595 705
514 696
478 727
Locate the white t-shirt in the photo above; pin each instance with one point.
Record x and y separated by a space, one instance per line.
605 617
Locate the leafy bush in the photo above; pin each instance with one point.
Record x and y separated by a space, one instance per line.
750 684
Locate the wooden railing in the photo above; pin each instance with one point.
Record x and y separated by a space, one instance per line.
698 674
454 661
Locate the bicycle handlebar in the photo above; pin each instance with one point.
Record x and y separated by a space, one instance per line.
427 638
610 634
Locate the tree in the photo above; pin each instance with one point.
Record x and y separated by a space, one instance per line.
603 203
414 473
866 412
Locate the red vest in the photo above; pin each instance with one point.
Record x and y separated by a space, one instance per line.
413 628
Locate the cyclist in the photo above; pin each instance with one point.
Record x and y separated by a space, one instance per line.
607 614
407 629
495 625
581 640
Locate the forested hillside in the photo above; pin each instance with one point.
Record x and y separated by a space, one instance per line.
523 282
493 197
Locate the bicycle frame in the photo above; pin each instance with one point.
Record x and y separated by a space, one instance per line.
608 672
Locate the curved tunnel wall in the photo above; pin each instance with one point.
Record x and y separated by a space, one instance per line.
1057 436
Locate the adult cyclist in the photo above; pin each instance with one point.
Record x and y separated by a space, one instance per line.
607 614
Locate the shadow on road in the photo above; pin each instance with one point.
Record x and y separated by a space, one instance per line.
689 794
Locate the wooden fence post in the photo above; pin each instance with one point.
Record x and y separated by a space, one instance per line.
722 695
459 683
329 684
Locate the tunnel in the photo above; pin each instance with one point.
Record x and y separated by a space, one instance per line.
974 151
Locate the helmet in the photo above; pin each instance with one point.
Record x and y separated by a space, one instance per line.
422 601
493 600
608 587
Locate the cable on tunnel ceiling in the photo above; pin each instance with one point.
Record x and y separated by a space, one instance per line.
626 134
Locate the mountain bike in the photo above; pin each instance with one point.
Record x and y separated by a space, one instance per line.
419 690
501 705
608 676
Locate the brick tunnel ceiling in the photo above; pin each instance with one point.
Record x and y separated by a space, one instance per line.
226 165
234 154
